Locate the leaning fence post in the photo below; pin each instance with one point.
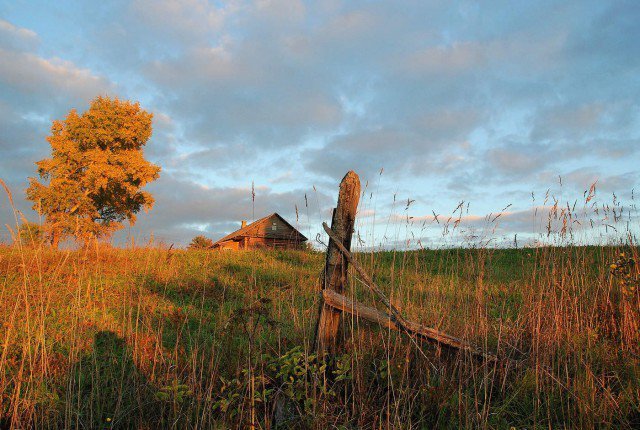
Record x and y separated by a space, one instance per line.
334 276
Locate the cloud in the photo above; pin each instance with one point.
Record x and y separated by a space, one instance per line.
185 21
366 152
37 78
426 150
521 159
187 207
13 37
248 76
582 178
553 222
455 101
240 92
463 57
33 91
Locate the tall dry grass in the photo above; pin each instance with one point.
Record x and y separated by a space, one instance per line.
162 338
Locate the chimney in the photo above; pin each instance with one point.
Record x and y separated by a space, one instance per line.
243 224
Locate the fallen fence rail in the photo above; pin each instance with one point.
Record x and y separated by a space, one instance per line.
339 257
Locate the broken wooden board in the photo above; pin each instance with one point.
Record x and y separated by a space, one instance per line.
344 304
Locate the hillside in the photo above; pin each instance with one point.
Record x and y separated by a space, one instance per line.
153 337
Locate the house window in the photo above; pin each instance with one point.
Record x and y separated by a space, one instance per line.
274 227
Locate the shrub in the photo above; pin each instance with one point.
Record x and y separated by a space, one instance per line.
200 242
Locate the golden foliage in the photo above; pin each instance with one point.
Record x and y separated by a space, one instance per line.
96 171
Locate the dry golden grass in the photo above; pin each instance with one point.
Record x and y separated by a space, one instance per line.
152 338
161 338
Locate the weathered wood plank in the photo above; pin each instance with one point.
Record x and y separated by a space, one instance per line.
365 276
344 304
335 272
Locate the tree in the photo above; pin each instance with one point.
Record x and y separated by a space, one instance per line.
200 242
96 171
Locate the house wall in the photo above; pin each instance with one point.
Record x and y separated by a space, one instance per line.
267 242
259 243
266 230
229 245
272 232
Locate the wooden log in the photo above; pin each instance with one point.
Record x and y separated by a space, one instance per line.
342 303
334 277
365 276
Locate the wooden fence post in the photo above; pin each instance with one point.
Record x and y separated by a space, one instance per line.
335 272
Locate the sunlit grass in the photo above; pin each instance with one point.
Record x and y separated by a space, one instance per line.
156 337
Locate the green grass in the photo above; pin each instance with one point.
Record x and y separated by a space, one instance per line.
151 338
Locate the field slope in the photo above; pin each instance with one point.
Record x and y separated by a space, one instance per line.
151 338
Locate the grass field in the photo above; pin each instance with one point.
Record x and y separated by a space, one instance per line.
148 338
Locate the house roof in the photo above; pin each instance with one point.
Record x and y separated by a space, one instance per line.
245 231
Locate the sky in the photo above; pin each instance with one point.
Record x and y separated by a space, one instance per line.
446 110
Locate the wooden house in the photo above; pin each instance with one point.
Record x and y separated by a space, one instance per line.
272 231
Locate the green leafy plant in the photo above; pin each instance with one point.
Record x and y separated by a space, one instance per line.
174 393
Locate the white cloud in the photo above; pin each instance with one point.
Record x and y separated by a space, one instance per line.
185 20
31 74
14 37
452 101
